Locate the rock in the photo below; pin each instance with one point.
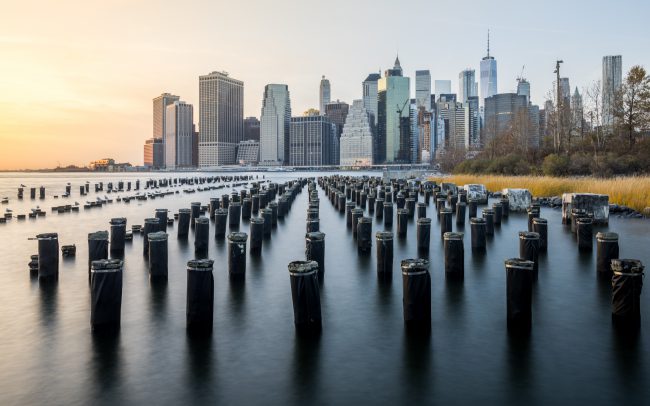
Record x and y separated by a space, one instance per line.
595 204
646 212
477 191
519 199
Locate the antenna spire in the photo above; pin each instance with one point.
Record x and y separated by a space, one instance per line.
488 44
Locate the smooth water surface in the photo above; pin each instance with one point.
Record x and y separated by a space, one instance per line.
49 356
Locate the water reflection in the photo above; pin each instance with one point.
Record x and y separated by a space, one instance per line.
106 362
455 298
417 352
518 359
237 298
199 367
49 289
158 298
306 367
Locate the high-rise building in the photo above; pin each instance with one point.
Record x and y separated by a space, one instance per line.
467 86
325 94
251 129
474 124
160 104
221 118
179 134
311 139
154 156
370 95
577 111
454 126
442 87
488 75
274 125
612 81
337 112
426 133
414 135
393 116
511 113
523 88
356 140
423 89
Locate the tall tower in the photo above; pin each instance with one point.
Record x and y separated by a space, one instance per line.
221 118
274 125
467 86
325 95
423 89
179 127
612 80
370 96
488 75
393 116
160 104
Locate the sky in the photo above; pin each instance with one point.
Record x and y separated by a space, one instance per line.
77 77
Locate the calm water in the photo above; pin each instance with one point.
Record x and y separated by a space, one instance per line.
48 354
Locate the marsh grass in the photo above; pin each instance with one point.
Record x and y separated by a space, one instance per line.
631 191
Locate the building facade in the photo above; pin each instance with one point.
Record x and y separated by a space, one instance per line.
370 95
324 94
251 129
248 152
274 125
337 113
393 116
154 155
356 139
467 86
311 140
179 135
442 87
423 89
511 114
612 81
221 119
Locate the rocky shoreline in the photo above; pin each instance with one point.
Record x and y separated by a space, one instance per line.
555 202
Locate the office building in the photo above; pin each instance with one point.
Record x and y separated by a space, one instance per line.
577 111
414 136
311 139
511 114
179 135
251 129
467 86
426 135
523 88
356 142
221 118
454 126
337 113
423 89
160 104
274 125
393 117
370 95
248 152
488 75
154 157
325 94
611 84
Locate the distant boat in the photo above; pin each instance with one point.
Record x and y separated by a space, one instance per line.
280 169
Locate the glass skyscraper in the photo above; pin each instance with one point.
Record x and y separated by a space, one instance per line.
612 80
488 75
274 125
393 115
423 89
325 95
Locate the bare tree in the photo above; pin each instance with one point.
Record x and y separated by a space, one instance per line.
599 134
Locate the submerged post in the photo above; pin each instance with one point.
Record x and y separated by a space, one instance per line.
106 295
606 251
416 294
454 255
384 253
627 282
48 255
305 294
237 254
519 293
200 296
158 256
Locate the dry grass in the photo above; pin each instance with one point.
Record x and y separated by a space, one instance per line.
630 191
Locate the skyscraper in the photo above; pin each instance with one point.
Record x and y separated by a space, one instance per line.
393 116
179 127
442 87
356 140
274 125
423 89
523 88
251 128
467 86
510 113
612 80
311 139
160 104
154 157
337 112
221 118
577 112
370 95
488 75
324 94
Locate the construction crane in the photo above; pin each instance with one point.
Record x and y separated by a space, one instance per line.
521 78
399 116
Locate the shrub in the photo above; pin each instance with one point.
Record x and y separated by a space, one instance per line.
555 165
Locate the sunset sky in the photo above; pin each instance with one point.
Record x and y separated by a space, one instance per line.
77 78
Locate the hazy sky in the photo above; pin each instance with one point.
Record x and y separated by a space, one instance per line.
77 78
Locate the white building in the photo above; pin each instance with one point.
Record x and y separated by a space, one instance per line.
325 94
160 104
274 125
248 152
467 86
612 80
179 134
356 139
488 75
423 89
221 118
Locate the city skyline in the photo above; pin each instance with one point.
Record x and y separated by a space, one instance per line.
63 89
